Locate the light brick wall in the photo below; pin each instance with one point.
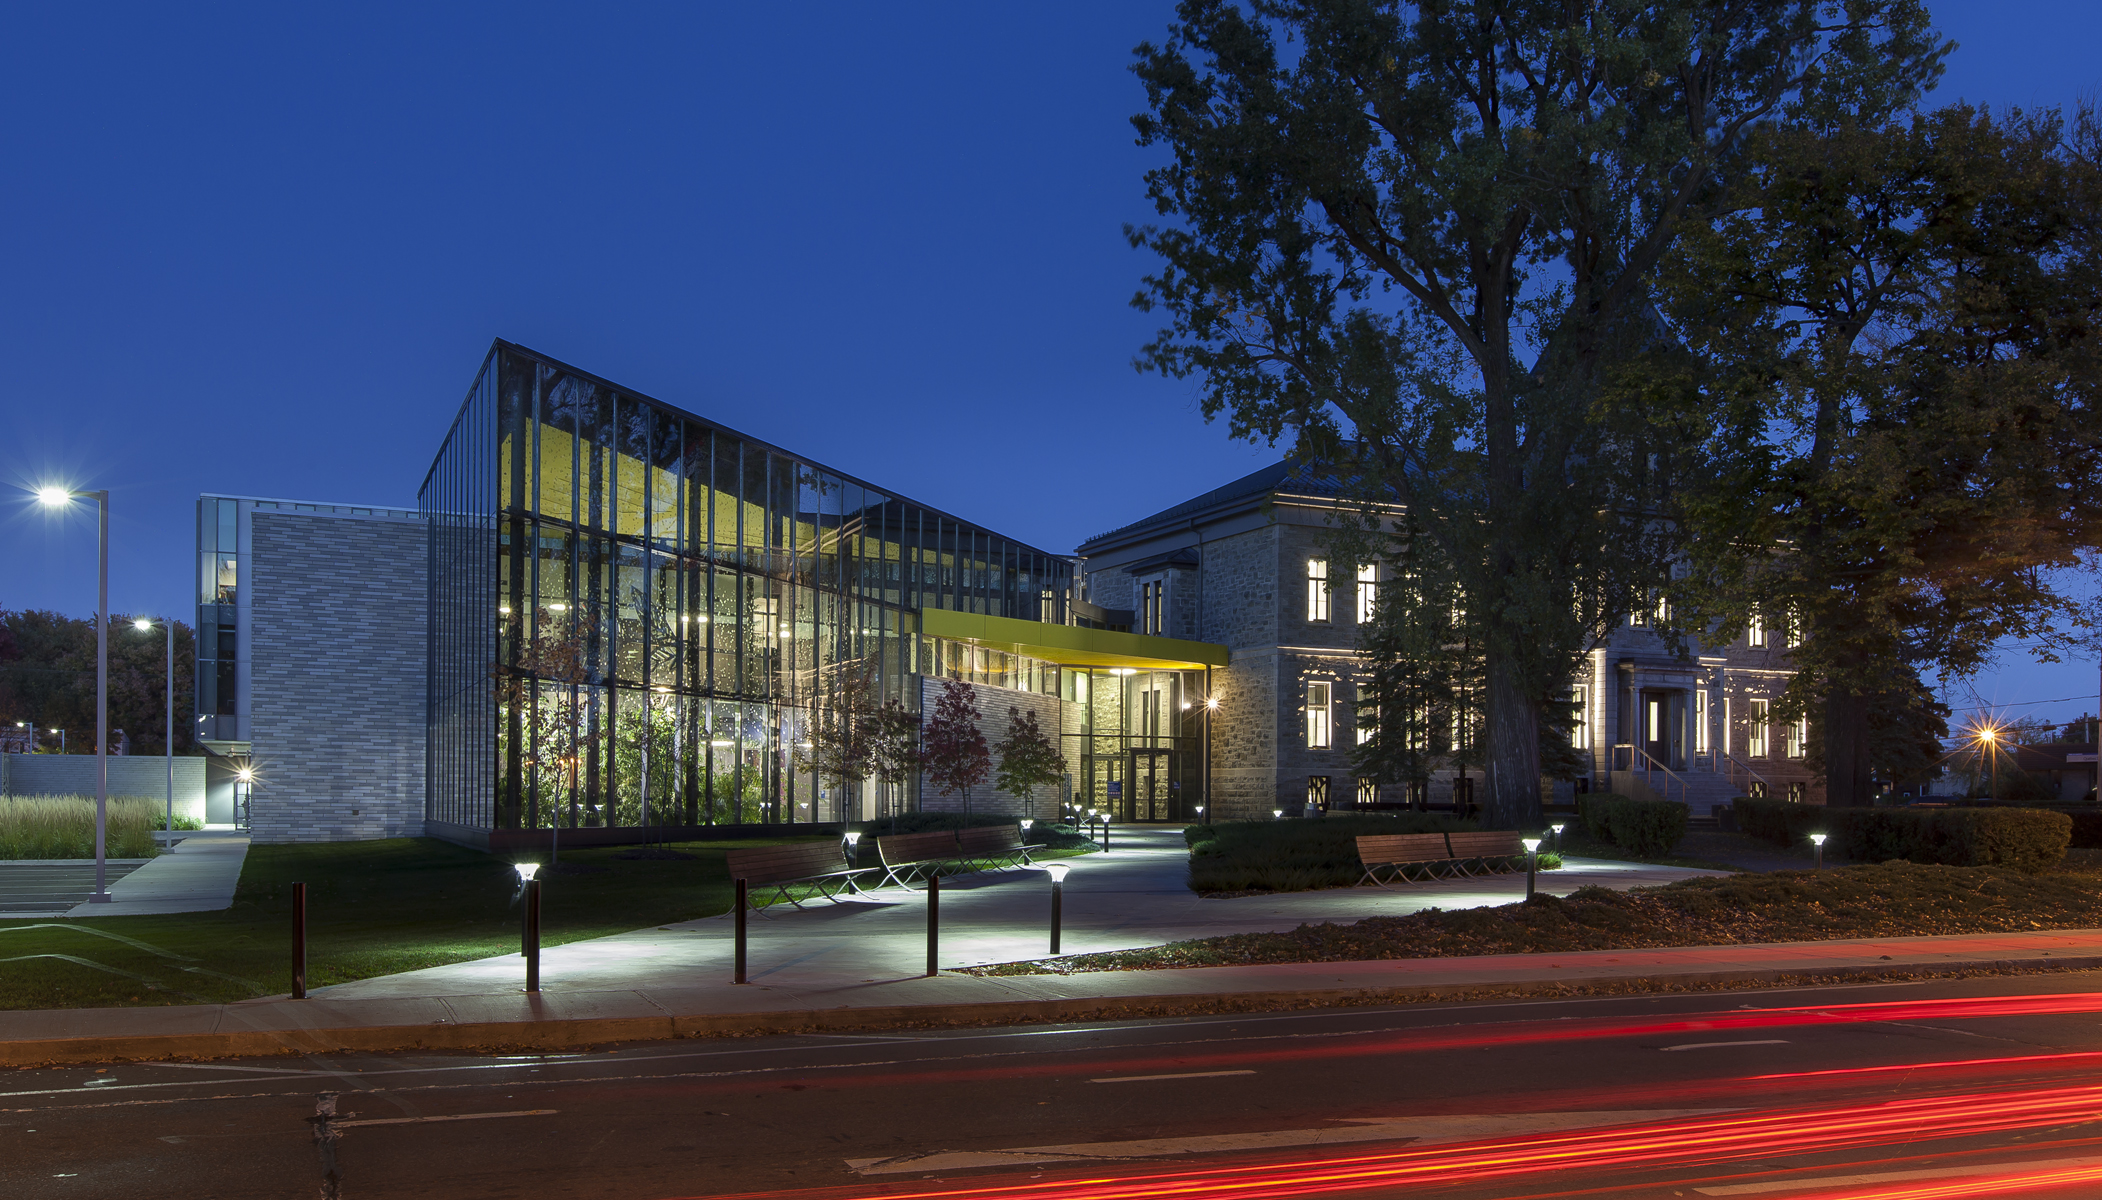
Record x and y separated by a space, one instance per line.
994 723
337 645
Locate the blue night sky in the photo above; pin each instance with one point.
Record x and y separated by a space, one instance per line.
261 251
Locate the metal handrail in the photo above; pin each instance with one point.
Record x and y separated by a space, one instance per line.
1736 765
1685 793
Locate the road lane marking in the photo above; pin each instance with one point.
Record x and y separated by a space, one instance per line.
529 1112
1188 1075
1797 1185
1713 1045
1418 1131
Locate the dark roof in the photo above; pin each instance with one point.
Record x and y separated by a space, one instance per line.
2054 756
1286 477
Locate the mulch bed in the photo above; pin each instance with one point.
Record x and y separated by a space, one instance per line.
1894 899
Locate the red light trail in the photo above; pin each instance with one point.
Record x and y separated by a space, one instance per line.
1715 1139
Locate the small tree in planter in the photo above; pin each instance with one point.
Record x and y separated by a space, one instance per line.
1028 759
952 748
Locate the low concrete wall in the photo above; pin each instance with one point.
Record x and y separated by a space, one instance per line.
74 775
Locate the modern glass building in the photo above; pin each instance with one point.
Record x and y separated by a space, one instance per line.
636 612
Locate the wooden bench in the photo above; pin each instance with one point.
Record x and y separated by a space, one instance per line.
1485 853
909 858
1396 854
1391 856
1001 844
819 864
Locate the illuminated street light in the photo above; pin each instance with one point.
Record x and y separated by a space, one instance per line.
1818 840
145 625
52 496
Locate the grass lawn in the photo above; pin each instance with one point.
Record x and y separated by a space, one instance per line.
373 908
1896 899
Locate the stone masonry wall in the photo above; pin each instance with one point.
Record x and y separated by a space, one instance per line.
337 637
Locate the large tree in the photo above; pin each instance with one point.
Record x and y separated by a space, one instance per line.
1902 318
1432 231
49 680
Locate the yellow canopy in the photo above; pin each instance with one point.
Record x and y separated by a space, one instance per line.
1071 645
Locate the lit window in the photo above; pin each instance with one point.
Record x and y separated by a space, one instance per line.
1368 593
1367 721
1580 717
1799 738
1755 632
1368 792
1700 721
1317 715
1755 737
1317 590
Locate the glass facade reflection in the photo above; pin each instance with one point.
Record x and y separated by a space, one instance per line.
635 610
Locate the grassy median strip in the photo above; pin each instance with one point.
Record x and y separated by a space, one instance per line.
374 908
1881 900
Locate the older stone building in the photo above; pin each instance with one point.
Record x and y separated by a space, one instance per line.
1246 566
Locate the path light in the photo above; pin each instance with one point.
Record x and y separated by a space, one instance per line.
852 837
1277 814
529 932
1057 872
1532 862
1818 840
1028 823
1558 834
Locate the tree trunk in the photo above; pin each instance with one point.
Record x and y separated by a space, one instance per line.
1849 779
1511 753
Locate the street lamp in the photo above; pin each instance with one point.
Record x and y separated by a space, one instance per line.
1818 840
1532 862
1057 872
62 497
144 625
1989 738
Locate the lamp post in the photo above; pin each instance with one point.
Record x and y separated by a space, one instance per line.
852 838
1558 828
1988 737
529 930
60 497
1211 705
1818 840
168 746
1532 863
1057 872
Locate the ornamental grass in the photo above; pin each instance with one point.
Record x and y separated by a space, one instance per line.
64 827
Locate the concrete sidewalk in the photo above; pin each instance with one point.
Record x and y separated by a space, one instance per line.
198 875
862 964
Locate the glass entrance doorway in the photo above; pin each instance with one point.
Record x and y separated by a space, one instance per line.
1152 790
1661 727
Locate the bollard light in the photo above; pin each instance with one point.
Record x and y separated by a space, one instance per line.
1028 823
1558 834
1057 872
1532 863
852 838
526 871
1818 840
530 933
1277 814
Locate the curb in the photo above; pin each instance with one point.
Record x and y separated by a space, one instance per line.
575 1033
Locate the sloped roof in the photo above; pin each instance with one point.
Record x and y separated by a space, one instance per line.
1282 477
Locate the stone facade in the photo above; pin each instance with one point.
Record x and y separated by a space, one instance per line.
1234 566
337 667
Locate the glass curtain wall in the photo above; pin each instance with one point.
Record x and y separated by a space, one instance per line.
637 612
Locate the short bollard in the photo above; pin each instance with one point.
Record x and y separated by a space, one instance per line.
934 909
532 946
299 941
1818 840
1105 835
1057 872
740 930
1532 863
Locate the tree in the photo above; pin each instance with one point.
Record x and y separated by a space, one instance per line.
1424 242
1906 727
896 753
49 680
844 731
1903 317
1028 759
952 748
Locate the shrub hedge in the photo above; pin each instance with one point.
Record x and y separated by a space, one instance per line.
1646 827
1295 855
2024 839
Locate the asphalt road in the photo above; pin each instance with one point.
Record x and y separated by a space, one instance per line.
1914 1090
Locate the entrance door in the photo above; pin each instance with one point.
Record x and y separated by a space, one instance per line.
1660 733
1152 776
